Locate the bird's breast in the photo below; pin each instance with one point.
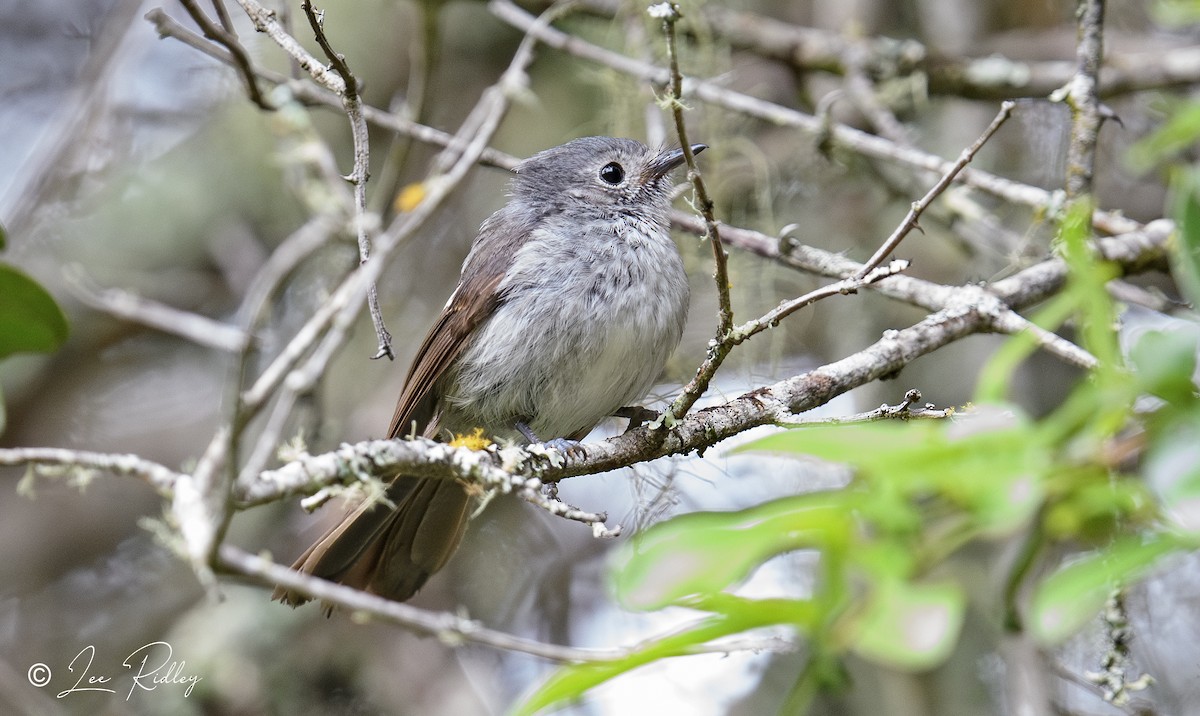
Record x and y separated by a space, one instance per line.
588 318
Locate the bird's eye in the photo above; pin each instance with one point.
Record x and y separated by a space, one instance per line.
612 173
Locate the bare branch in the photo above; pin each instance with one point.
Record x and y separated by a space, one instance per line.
1012 323
126 305
360 174
1081 95
223 34
973 310
313 94
918 207
1136 251
265 21
669 13
450 628
861 90
907 409
558 508
162 478
374 458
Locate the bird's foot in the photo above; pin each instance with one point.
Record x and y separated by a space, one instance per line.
570 448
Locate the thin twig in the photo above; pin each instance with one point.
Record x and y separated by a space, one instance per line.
361 173
223 34
907 409
918 207
307 92
265 21
126 305
669 13
223 16
162 478
268 283
841 288
558 508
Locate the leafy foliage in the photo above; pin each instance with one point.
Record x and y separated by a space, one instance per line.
923 491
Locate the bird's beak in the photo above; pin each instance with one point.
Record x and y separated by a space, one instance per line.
670 159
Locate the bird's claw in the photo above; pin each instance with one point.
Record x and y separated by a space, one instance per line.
570 448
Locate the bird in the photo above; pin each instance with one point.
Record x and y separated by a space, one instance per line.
568 305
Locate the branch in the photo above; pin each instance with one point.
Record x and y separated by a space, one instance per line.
1081 95
224 35
863 93
160 477
974 310
918 207
1136 252
360 174
449 628
669 12
905 410
363 461
840 288
126 305
266 22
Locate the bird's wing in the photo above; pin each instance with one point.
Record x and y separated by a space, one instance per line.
474 300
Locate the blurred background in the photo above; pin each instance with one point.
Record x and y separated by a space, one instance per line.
136 162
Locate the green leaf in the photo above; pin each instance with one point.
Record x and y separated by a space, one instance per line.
1175 13
30 320
1172 466
989 470
704 553
1178 134
996 376
1185 256
1096 505
1088 285
1068 599
845 443
911 626
3 237
1165 362
571 682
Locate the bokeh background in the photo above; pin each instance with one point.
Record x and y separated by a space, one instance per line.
135 162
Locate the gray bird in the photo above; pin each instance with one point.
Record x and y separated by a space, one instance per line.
570 301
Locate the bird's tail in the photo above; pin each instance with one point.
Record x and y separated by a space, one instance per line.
389 551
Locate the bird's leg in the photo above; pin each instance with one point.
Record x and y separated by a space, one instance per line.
563 445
